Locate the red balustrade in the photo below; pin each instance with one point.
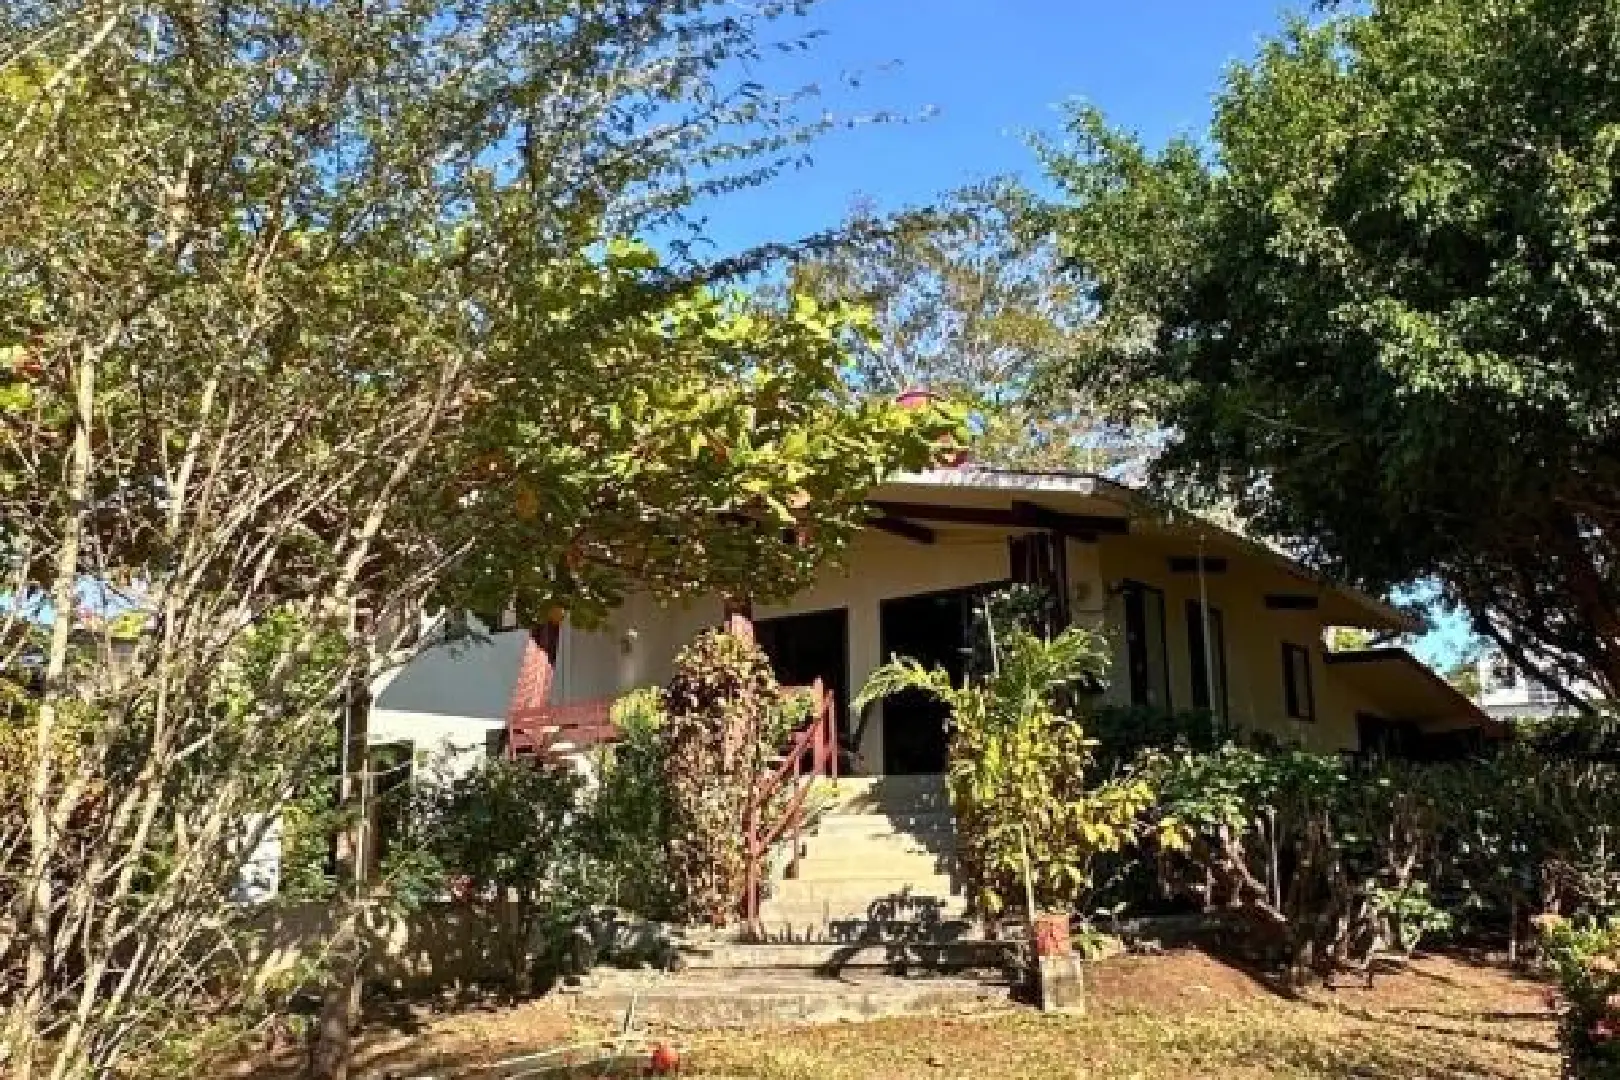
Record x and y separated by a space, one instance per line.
542 730
812 752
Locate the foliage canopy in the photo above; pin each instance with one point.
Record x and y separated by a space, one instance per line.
1378 310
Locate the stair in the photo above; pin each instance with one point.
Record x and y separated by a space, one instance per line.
878 864
872 923
756 995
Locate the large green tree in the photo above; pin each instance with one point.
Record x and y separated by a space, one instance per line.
313 313
970 301
1378 308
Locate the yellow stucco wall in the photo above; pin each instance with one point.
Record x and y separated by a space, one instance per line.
1255 635
637 648
639 645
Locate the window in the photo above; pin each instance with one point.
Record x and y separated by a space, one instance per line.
1542 696
1207 660
1039 559
1297 682
1146 655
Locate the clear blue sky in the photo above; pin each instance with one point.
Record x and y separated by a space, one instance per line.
986 73
991 71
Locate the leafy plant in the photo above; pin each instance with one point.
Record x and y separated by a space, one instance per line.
722 726
1585 959
1018 769
505 834
626 825
1327 856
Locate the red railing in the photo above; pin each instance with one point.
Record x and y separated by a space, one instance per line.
812 752
545 729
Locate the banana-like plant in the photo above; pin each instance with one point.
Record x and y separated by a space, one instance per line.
1019 764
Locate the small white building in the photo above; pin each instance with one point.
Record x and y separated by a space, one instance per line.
1506 692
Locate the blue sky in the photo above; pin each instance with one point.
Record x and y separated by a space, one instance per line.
990 71
974 78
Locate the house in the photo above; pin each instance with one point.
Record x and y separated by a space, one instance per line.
1507 693
1198 616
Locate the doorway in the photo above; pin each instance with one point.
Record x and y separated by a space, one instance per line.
804 648
935 630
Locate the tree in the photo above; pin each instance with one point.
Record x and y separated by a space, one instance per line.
1464 675
1378 312
972 303
307 319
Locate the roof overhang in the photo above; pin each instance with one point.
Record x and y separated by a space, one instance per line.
1086 506
1402 687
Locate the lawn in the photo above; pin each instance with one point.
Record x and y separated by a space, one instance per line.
1188 1016
1182 1015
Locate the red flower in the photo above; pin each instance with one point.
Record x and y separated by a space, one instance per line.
1603 1029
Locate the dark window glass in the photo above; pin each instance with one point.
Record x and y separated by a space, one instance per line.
1146 654
1297 682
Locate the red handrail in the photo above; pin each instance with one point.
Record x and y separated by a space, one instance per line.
819 741
534 732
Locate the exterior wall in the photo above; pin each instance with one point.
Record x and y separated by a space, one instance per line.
639 645
1256 695
636 649
1507 693
879 567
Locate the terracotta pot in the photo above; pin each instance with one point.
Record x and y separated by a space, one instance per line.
1052 935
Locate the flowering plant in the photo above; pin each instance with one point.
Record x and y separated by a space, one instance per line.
1585 957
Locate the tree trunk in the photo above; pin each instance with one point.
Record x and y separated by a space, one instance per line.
333 1043
340 1006
36 893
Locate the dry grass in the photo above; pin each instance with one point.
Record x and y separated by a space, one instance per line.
1184 1017
1178 1016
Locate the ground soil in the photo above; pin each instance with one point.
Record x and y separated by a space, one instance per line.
1178 1015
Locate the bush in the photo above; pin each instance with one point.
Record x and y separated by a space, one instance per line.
1585 958
1330 858
505 832
1124 732
724 722
1334 859
626 825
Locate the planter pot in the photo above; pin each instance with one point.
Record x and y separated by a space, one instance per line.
1051 934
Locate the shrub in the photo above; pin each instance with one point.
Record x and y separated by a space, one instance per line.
1124 731
1585 959
626 825
1328 857
504 832
723 723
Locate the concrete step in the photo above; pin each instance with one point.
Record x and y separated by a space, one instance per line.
887 794
877 849
919 868
852 826
912 893
947 954
750 998
853 918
